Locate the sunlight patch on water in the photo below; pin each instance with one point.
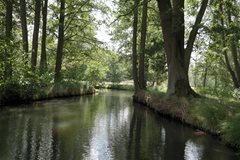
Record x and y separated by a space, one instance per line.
163 136
193 151
98 147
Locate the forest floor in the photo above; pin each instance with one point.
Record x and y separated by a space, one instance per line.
218 117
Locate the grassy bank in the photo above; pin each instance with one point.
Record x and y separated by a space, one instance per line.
16 94
117 86
214 116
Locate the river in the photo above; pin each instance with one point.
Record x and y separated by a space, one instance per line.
100 127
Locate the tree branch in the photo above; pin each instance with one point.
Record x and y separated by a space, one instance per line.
194 32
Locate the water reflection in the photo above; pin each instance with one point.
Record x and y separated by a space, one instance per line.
107 126
193 151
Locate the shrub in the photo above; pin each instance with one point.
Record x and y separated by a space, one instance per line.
231 129
236 94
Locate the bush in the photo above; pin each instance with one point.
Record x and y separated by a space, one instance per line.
236 94
23 87
231 130
10 92
208 112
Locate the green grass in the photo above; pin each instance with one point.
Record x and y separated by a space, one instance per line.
15 93
218 115
117 86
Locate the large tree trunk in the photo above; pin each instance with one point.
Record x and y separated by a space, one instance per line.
8 32
134 47
23 17
142 80
35 34
178 58
43 61
178 83
60 42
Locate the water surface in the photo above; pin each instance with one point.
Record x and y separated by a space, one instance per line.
104 126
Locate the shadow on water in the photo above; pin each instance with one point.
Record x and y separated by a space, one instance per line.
106 126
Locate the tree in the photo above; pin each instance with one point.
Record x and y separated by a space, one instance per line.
178 57
134 46
60 44
227 62
225 32
43 61
35 34
142 70
8 34
23 18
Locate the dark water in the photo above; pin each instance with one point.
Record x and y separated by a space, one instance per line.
105 126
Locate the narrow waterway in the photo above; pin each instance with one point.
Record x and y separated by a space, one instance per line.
100 127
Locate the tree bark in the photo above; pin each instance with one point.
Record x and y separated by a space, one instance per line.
23 17
35 34
60 42
142 78
9 17
194 31
43 61
235 58
230 70
234 49
134 47
8 32
178 58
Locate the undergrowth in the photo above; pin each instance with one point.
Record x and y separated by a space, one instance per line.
219 115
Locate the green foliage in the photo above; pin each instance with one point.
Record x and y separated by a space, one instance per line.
208 112
119 68
236 94
156 89
157 68
219 93
231 129
70 88
23 85
125 85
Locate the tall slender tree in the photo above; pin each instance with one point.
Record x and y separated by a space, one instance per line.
142 74
8 30
43 61
227 61
60 45
35 34
233 47
134 46
23 18
178 57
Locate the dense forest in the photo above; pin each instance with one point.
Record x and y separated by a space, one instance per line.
181 51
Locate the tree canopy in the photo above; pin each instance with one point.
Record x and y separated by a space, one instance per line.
185 45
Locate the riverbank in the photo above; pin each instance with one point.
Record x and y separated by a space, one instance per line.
22 94
214 117
116 86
